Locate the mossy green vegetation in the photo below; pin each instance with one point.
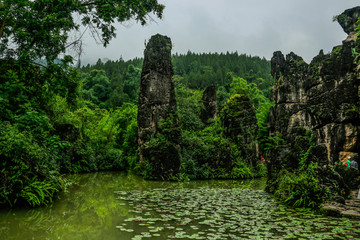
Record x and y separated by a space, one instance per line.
44 133
24 172
300 181
336 50
301 188
164 145
306 170
206 151
220 149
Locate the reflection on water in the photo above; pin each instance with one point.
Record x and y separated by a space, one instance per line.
90 210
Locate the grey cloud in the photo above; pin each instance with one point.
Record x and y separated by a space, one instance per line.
255 27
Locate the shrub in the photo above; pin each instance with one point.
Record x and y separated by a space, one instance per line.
29 174
242 171
302 188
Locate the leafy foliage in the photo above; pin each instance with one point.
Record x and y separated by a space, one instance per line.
196 72
302 188
242 87
96 87
55 119
115 83
298 183
358 26
161 153
28 170
47 127
37 29
201 70
200 147
264 140
208 153
189 107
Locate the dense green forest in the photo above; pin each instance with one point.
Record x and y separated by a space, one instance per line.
46 126
231 73
56 118
86 120
193 71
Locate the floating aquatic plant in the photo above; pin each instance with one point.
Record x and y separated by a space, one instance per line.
219 213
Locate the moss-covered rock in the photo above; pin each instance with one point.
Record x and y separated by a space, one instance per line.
348 19
209 102
239 123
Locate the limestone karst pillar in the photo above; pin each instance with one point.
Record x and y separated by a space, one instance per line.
209 101
157 112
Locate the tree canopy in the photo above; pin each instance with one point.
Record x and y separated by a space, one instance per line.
36 29
50 122
58 119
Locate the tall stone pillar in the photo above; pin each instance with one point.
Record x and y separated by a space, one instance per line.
159 156
209 101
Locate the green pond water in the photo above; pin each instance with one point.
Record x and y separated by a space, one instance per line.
119 206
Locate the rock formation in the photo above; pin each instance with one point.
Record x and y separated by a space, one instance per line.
322 97
209 100
348 19
157 104
239 121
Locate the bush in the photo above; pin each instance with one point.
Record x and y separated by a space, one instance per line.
260 170
113 160
29 174
242 171
161 159
302 188
209 154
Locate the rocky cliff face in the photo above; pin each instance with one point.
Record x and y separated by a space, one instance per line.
157 104
322 97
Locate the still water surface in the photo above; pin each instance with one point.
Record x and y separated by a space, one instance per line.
120 206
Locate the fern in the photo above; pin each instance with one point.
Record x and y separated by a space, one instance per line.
38 193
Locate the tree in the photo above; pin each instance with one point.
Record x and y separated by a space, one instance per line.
36 29
42 129
241 86
96 87
132 82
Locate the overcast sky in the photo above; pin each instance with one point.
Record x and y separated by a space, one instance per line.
253 27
